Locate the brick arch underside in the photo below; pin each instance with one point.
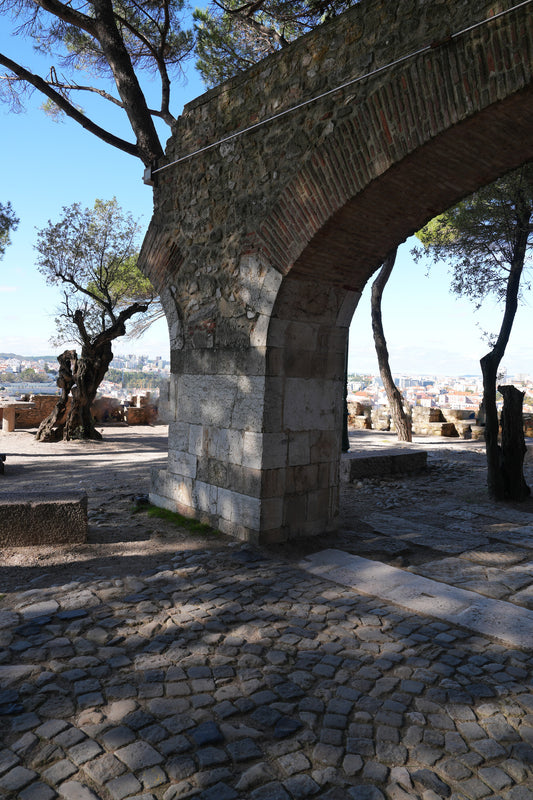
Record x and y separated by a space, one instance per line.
410 143
343 249
308 331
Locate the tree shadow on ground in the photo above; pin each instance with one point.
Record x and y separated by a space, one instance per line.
225 664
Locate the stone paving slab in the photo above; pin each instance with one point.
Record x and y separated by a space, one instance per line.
440 539
503 621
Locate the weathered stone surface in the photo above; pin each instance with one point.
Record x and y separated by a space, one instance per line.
253 249
385 462
42 518
199 627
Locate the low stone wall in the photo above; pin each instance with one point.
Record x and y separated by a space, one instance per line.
32 417
421 415
452 423
145 415
42 518
381 419
104 409
107 409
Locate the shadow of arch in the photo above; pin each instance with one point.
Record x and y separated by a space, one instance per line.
245 656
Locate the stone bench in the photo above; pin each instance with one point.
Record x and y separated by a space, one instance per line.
355 466
43 518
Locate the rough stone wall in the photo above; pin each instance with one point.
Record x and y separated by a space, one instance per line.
104 409
427 421
250 236
32 417
225 219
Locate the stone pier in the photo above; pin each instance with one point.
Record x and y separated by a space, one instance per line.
280 193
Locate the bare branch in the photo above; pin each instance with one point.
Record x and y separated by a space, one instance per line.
67 87
71 111
247 9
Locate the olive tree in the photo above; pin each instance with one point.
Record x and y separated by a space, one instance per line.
92 255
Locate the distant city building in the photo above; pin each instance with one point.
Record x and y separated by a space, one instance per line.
456 392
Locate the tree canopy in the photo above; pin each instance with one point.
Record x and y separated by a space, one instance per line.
487 240
233 35
8 223
478 236
92 255
127 53
106 49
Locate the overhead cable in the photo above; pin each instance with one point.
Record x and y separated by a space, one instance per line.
148 173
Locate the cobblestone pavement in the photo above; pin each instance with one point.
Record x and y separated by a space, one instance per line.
226 672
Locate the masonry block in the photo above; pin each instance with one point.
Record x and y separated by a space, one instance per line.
239 508
252 449
43 518
196 440
205 497
245 480
310 404
387 462
299 450
302 478
272 513
179 435
182 463
178 489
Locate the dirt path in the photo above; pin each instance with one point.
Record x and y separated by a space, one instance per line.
113 472
412 521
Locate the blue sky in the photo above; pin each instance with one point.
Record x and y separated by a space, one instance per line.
431 331
46 165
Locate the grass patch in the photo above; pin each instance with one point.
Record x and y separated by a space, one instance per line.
192 525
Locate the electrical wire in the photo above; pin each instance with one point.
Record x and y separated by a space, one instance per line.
351 82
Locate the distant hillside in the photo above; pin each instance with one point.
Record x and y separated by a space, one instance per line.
29 358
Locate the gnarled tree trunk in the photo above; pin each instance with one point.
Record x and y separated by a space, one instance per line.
401 419
48 432
91 368
81 377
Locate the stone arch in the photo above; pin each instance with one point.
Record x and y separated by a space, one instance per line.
328 232
381 165
263 245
